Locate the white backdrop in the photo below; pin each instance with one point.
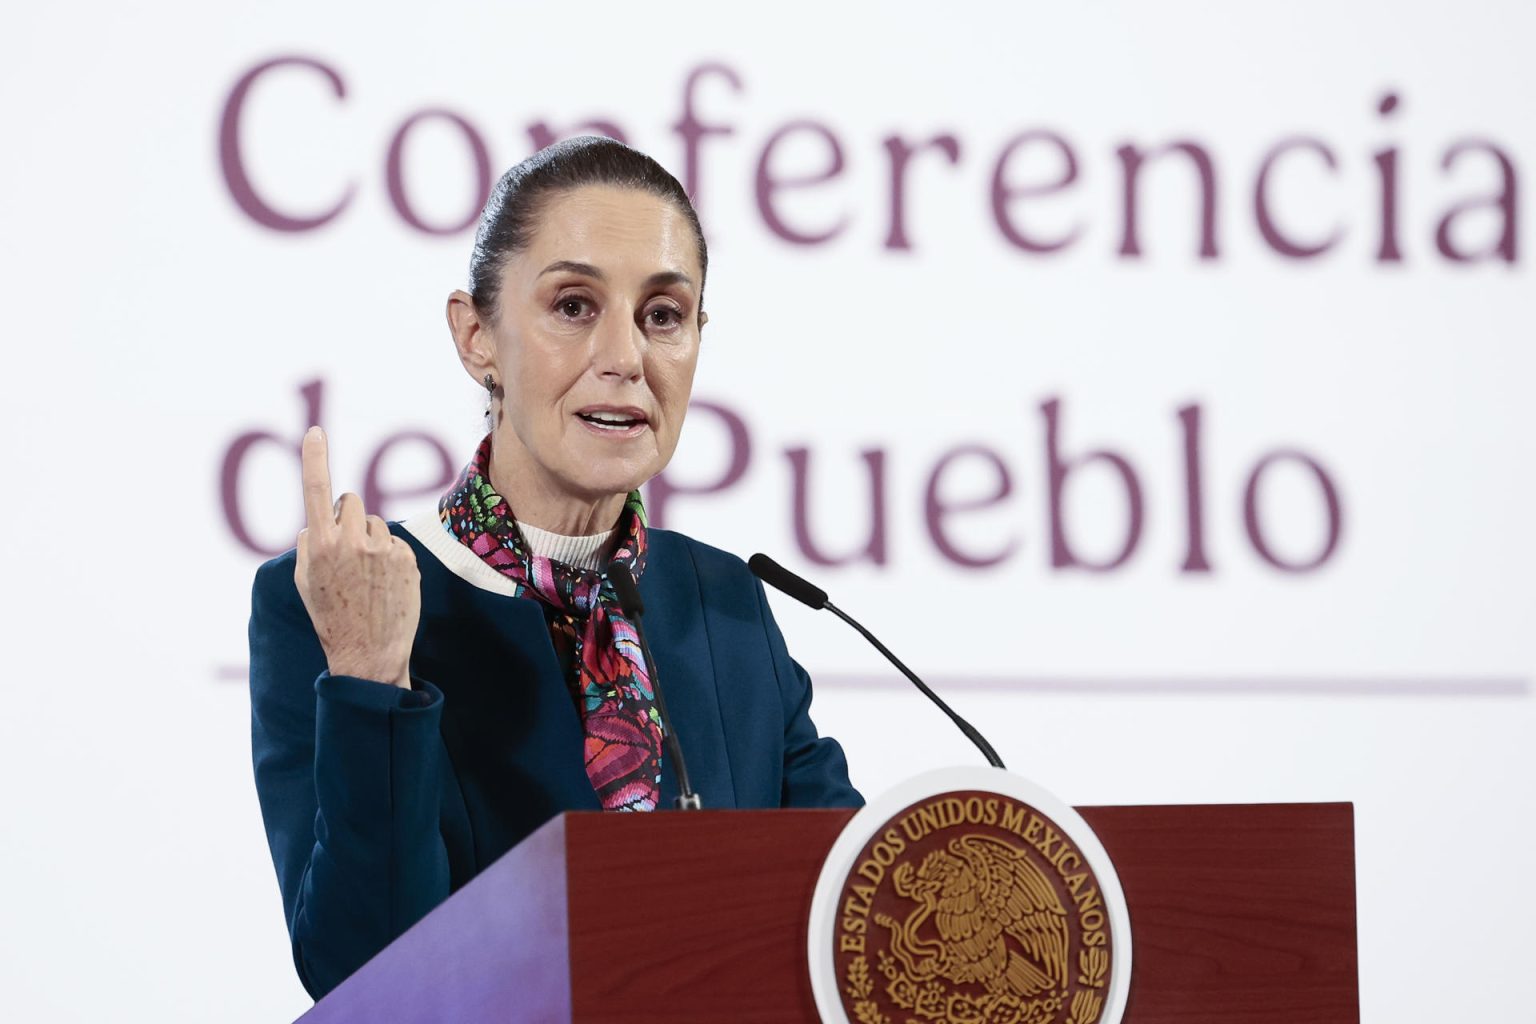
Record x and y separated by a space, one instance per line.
152 320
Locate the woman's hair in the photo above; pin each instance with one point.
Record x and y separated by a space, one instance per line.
511 213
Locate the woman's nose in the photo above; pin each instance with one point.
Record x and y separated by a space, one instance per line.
619 348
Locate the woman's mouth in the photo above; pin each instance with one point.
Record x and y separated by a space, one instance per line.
613 422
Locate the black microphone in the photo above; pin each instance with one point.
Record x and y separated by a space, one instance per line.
634 608
781 579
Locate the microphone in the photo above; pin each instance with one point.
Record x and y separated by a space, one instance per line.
781 579
634 608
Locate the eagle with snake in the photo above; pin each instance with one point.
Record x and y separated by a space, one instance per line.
979 893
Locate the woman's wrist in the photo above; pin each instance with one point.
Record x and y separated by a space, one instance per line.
374 673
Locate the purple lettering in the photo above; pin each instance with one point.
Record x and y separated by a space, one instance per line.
1132 159
1277 239
1062 555
768 186
1504 203
1256 529
693 130
229 474
661 490
395 175
1005 196
232 158
376 499
1386 168
874 547
900 153
1194 512
936 510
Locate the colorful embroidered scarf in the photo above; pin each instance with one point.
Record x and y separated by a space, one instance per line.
610 684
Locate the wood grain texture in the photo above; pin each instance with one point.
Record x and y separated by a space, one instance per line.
1242 914
697 917
1239 913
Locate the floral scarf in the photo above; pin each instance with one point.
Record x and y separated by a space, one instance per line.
610 684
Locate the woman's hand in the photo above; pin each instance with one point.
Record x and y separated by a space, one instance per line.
359 582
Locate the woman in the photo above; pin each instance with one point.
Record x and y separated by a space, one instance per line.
425 694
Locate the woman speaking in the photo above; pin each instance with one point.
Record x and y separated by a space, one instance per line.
426 693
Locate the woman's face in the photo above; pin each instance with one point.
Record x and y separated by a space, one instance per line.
595 343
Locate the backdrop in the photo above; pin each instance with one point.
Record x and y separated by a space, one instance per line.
1176 356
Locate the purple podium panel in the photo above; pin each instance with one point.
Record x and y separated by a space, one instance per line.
495 951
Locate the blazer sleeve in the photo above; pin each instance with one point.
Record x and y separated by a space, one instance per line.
347 774
815 768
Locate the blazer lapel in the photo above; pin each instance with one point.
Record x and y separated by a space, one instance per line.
680 644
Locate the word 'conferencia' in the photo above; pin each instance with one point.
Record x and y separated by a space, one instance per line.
1030 173
943 515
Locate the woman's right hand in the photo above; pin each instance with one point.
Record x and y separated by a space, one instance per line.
359 582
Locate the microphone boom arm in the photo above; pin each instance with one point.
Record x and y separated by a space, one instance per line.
964 726
807 593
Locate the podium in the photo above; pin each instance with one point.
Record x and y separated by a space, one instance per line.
1240 914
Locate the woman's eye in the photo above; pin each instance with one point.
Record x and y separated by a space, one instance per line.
664 316
573 308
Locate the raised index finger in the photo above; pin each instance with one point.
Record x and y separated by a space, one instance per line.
315 457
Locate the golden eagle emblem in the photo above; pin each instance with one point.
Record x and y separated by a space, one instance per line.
972 907
996 920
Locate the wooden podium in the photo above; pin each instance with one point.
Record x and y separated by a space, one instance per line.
1240 914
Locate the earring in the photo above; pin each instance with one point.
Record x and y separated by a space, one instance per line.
490 384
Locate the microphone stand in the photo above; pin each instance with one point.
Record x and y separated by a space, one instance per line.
807 593
633 607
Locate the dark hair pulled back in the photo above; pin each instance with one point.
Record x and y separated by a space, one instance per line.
511 213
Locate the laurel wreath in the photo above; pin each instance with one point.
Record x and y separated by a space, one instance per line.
1093 963
859 984
859 988
1085 1007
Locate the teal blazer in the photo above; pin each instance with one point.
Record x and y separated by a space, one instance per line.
379 802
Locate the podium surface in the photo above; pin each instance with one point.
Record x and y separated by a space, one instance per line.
1240 914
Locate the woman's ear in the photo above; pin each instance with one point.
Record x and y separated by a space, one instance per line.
471 337
703 319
